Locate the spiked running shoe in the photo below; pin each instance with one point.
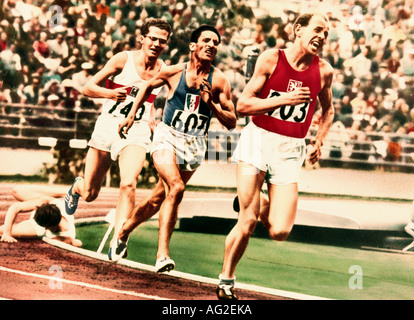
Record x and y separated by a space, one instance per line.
226 293
164 264
118 250
225 289
72 199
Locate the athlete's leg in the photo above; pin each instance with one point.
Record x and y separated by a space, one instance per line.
143 211
28 192
131 161
175 181
97 165
249 183
282 212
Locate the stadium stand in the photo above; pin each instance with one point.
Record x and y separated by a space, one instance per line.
48 50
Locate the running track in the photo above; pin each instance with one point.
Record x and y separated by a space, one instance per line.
33 269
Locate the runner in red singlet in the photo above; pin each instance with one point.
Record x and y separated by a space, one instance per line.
281 98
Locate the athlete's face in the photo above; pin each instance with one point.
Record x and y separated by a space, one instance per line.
314 35
154 42
206 46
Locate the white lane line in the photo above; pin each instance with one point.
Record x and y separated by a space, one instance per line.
178 274
78 283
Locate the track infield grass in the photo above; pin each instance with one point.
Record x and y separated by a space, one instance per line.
320 270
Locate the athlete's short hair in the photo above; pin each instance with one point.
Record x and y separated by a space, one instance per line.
197 32
47 215
159 23
305 18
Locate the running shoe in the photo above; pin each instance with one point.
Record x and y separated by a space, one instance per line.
236 204
225 289
164 264
226 292
118 250
72 199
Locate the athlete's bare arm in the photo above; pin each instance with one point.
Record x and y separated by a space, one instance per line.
328 112
14 210
219 100
250 103
95 87
166 76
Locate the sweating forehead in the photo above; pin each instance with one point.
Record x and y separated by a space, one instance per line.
154 30
208 34
319 20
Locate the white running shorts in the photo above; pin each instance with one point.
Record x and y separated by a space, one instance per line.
189 150
281 157
105 136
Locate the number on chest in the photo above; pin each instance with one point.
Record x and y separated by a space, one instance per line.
189 122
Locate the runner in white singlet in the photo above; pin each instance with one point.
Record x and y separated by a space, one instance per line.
119 82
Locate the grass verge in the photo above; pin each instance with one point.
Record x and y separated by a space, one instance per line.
314 269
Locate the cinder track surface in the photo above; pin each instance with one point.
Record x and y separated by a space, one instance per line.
33 269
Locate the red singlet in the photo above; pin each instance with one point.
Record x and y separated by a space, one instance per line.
292 121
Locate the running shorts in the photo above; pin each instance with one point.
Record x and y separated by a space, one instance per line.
189 150
105 136
281 157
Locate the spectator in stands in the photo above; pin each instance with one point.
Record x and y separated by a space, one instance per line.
394 31
356 22
334 56
80 30
384 80
393 63
129 22
41 46
32 91
44 15
407 63
70 65
338 87
53 101
11 67
346 40
102 8
387 29
360 64
116 21
81 78
3 41
58 47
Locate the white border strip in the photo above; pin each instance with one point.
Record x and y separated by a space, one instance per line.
178 274
83 284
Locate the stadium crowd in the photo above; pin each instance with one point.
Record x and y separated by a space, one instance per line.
49 49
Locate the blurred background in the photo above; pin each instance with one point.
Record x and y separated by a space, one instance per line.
49 50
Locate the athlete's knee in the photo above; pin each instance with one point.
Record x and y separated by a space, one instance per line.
176 190
247 226
127 185
279 234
